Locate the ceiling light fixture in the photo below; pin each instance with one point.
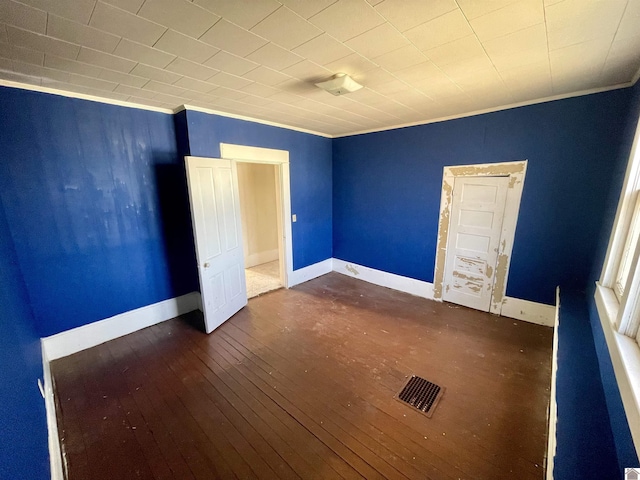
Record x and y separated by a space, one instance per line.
339 84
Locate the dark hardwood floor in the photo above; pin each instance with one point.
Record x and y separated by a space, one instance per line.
301 384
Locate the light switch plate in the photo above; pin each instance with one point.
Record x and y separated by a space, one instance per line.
294 218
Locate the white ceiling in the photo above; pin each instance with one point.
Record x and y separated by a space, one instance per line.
419 60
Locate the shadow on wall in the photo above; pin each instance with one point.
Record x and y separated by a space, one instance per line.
175 218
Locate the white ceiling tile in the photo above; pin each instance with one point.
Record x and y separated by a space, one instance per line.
145 101
577 21
6 64
353 64
65 29
143 54
419 74
233 39
184 46
406 14
3 34
378 41
23 16
520 48
260 90
529 81
297 31
153 73
323 49
125 24
444 29
307 70
245 13
230 93
440 89
180 15
266 76
122 78
225 79
129 5
196 85
190 69
47 74
76 10
169 89
60 63
274 56
347 18
307 9
91 82
137 92
257 101
476 8
227 62
96 57
509 19
630 20
456 51
577 67
42 43
402 58
22 54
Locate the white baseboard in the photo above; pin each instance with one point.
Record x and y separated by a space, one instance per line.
261 257
527 311
309 273
55 453
92 334
553 404
384 279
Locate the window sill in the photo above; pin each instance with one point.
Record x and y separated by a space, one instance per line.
625 357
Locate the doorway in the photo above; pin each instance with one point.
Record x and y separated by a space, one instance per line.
259 193
478 223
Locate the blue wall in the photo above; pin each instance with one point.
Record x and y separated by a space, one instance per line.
95 198
23 429
310 170
387 189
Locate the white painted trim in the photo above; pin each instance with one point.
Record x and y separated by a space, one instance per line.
516 171
625 357
310 272
527 311
249 119
82 96
244 153
261 257
553 403
253 154
92 334
492 109
56 460
415 287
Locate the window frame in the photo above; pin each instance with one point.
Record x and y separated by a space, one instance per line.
620 317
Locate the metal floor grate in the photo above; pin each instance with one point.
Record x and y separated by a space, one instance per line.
421 394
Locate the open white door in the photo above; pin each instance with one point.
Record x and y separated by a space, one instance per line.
217 231
474 236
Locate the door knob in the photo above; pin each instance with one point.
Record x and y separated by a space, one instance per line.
206 265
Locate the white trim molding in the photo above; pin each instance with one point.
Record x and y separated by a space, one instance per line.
415 287
92 334
625 357
527 311
56 460
516 172
310 272
553 404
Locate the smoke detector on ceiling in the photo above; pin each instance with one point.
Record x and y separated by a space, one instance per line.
340 84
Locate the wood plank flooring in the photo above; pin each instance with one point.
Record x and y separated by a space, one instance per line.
300 385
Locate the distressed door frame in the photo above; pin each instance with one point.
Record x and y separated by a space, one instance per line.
516 172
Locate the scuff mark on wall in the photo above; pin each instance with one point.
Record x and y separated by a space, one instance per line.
443 235
352 269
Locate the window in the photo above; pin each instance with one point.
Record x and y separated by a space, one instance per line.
618 294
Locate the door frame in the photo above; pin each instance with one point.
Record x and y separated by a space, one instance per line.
279 158
516 172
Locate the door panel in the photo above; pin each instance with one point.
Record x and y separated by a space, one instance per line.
474 235
215 212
